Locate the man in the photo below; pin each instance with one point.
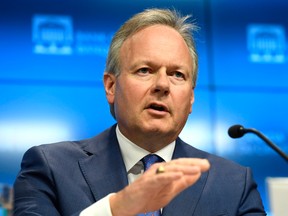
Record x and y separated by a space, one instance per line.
149 82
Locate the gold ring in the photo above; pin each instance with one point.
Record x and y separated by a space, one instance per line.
160 169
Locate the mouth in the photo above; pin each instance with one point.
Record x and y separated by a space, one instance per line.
158 107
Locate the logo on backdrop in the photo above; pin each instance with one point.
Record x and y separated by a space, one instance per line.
55 35
52 34
266 43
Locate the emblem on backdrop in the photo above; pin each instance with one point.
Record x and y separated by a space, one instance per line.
55 35
52 34
266 43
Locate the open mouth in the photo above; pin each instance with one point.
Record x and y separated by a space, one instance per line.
157 107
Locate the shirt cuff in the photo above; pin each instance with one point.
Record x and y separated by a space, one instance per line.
101 207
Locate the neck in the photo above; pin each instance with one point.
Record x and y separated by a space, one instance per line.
151 142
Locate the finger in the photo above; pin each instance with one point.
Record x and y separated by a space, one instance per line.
184 165
174 168
202 163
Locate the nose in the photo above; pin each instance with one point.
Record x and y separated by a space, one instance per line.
161 83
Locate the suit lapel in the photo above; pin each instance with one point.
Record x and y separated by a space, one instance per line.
104 170
186 202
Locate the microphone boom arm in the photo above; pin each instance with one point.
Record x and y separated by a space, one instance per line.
273 146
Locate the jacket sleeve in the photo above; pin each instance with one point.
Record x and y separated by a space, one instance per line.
251 203
34 189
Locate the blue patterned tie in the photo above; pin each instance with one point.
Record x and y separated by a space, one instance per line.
148 160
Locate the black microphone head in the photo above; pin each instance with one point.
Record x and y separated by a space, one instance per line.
236 131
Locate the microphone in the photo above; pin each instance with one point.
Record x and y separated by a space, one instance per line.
237 131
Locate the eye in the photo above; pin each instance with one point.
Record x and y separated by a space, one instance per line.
143 71
179 75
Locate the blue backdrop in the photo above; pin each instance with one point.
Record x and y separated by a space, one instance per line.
53 56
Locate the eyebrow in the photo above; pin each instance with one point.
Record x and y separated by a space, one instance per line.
153 64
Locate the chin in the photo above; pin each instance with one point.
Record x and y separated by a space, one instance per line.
154 130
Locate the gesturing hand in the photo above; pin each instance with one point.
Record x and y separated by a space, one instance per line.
153 191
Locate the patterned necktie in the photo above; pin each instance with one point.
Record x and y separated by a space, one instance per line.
148 160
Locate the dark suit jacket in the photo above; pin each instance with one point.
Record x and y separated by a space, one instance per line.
64 178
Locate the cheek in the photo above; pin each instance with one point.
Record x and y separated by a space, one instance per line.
125 95
134 90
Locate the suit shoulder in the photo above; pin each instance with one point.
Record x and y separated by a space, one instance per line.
216 161
71 148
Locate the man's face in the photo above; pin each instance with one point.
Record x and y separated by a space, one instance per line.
153 95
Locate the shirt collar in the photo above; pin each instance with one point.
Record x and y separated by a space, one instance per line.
132 153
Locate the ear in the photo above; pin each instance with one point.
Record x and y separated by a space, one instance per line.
109 85
192 98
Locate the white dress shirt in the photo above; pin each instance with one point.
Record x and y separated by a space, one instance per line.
132 155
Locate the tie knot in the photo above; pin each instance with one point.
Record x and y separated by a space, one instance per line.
150 159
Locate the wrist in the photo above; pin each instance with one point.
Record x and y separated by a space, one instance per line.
117 205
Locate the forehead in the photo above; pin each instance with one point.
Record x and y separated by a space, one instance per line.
157 41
